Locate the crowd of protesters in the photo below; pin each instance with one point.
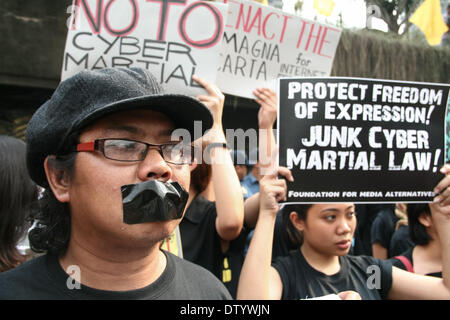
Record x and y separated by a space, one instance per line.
106 158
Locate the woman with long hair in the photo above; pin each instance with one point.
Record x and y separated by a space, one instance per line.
17 195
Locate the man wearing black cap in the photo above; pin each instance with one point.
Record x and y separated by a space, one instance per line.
116 185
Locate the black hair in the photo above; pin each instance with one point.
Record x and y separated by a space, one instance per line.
52 228
18 194
292 235
418 231
201 176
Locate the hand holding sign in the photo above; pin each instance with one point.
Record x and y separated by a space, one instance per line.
267 115
442 189
268 101
214 100
273 190
362 140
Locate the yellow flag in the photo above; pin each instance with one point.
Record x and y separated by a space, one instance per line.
265 2
429 20
173 244
324 7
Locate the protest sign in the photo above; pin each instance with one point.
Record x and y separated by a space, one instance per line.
167 37
262 43
361 140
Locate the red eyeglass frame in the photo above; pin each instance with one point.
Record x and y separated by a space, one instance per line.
98 145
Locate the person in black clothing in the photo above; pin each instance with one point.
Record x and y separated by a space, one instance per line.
212 233
101 134
214 230
425 256
400 241
203 246
320 265
366 215
214 216
382 229
363 245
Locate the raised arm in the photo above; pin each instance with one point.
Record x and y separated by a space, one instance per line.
258 279
406 285
267 115
251 210
227 188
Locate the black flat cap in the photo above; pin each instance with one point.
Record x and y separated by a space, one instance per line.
90 95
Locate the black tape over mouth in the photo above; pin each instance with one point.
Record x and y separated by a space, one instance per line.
153 201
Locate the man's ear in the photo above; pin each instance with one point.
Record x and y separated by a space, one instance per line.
58 180
298 223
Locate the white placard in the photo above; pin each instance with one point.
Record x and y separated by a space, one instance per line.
167 37
262 43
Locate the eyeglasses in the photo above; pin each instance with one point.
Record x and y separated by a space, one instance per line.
130 150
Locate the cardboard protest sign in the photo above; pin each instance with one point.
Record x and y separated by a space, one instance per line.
361 140
262 43
167 37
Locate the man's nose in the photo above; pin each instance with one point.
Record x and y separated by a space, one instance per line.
154 167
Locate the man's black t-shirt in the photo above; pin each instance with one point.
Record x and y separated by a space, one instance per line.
370 277
43 278
201 243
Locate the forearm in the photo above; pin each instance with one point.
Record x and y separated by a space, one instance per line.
226 185
228 193
267 115
266 146
254 281
251 210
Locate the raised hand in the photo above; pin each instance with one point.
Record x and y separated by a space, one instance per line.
214 100
267 114
273 190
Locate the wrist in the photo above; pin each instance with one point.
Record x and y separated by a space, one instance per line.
215 134
217 126
267 216
269 212
265 127
213 145
211 152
